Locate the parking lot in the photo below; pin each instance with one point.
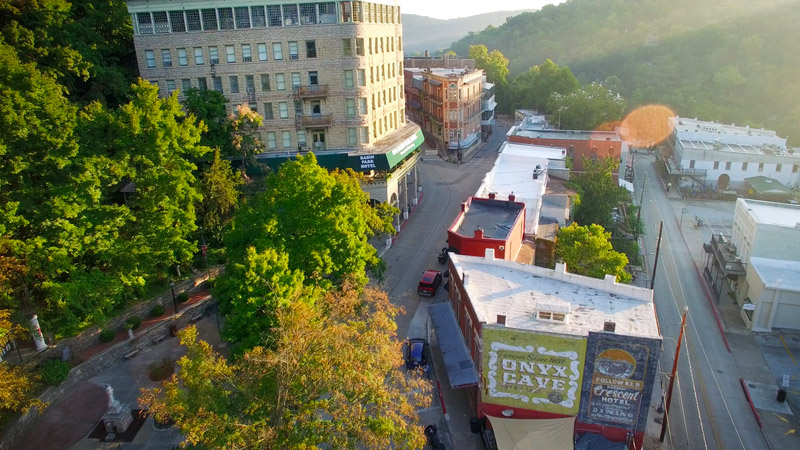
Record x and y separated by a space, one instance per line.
782 350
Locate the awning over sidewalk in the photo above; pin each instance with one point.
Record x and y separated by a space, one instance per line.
529 434
457 362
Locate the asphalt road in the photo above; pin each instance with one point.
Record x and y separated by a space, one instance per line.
708 408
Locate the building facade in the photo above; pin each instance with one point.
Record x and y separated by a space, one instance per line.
449 104
488 223
326 76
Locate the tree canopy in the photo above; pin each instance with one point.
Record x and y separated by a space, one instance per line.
587 250
587 108
493 63
598 195
219 187
330 376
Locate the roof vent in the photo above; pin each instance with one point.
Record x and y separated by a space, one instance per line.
501 319
609 326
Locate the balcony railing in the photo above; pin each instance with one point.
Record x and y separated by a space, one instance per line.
314 120
312 91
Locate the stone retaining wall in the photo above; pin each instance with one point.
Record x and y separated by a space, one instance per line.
105 359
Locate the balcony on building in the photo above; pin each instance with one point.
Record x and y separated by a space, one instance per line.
488 104
312 91
314 120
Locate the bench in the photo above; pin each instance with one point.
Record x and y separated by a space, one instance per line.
131 354
159 339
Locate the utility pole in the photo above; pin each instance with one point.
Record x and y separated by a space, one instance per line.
644 183
658 250
672 377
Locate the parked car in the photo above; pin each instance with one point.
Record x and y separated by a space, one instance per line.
442 256
415 353
430 281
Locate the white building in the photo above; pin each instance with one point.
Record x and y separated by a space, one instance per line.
722 156
760 264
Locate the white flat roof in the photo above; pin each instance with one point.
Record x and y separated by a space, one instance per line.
777 273
773 213
705 131
519 290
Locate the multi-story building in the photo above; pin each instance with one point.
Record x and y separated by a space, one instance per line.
448 104
722 156
327 76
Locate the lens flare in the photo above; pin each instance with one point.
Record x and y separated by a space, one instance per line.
647 125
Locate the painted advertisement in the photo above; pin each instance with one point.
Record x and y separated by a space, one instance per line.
618 382
535 371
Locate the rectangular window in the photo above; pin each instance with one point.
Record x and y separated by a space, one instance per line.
246 55
262 52
145 23
290 15
301 138
225 18
349 107
274 16
372 75
170 87
691 164
286 137
230 53
186 84
744 166
311 49
213 55
253 107
362 77
182 58
760 167
360 46
357 16
348 79
778 167
198 56
293 53
352 136
176 22
210 20
795 168
365 135
161 22
234 82
258 17
268 113
327 12
242 17
277 51
272 142
217 84
716 165
362 105
347 47
728 165
295 80
283 110
150 58
280 81
265 87
313 78
347 11
202 84
308 14
369 45
166 58
249 84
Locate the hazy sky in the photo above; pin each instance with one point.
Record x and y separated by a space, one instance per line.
448 9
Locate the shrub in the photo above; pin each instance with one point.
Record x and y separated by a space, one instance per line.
183 297
157 311
133 322
107 335
54 372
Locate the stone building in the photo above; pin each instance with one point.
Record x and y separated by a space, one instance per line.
326 76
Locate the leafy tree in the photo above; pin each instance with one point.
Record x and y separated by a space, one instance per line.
251 293
587 251
246 141
532 89
17 384
321 220
597 193
494 63
587 108
219 187
208 106
330 376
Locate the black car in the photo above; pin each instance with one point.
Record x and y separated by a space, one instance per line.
415 353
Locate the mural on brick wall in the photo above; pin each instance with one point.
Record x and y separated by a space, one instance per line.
535 371
618 380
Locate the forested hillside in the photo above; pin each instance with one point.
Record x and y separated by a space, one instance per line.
727 60
422 33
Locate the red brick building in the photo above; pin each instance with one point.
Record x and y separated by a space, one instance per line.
487 223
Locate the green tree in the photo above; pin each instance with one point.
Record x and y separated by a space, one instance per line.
532 89
245 135
331 376
494 63
586 108
320 219
597 193
208 106
251 293
219 188
587 250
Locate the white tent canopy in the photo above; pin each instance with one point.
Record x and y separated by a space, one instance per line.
534 434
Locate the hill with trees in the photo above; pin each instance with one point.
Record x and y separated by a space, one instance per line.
725 60
422 33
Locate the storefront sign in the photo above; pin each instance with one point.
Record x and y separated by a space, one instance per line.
367 162
535 371
618 382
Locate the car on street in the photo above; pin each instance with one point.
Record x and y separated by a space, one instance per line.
415 353
430 281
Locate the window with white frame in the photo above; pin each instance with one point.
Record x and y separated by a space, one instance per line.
246 55
183 59
265 87
193 20
213 55
283 110
272 142
161 22
347 47
362 105
150 58
295 80
186 84
249 84
274 16
234 83
262 52
290 15
280 82
145 23
242 17
225 18
217 84
362 77
327 12
348 79
301 138
352 136
349 107
286 137
308 14
166 57
277 51
230 53
258 17
365 135
293 52
170 87
176 22
210 20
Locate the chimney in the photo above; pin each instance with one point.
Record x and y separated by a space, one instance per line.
492 195
465 279
479 233
427 54
501 319
463 206
512 197
609 326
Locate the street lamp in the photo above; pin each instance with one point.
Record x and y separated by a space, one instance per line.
174 300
